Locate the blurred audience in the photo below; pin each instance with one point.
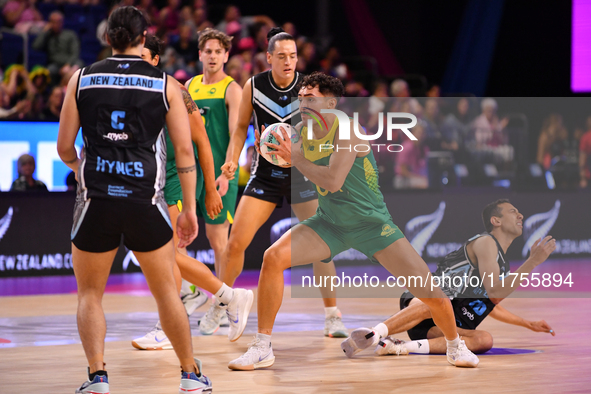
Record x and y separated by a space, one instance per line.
553 141
61 45
585 157
411 162
25 181
23 16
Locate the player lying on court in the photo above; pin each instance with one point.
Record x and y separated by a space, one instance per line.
235 303
480 256
351 214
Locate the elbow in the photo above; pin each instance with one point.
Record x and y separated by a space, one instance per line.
334 185
63 151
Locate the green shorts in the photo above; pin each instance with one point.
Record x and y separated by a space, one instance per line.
366 237
228 200
172 190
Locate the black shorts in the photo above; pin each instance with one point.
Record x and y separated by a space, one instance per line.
468 312
99 225
272 184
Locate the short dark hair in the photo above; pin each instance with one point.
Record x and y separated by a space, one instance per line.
154 45
491 210
125 27
277 34
327 85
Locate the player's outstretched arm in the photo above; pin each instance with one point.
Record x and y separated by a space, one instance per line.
69 126
180 135
486 253
501 314
213 201
239 132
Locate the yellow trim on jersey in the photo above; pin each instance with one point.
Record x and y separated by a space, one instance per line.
315 150
200 91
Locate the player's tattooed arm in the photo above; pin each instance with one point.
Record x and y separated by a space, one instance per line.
182 170
189 103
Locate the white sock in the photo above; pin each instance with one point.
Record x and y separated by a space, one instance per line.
187 288
454 343
158 325
264 338
420 346
224 295
381 329
331 311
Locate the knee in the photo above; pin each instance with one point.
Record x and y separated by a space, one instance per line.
483 342
436 303
235 246
217 244
276 258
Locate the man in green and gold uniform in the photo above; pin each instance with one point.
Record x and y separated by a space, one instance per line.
218 97
351 214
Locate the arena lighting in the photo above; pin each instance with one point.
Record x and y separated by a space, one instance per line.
490 170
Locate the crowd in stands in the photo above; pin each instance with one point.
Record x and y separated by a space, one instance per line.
64 35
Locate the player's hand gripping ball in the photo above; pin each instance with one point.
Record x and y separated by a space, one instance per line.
268 152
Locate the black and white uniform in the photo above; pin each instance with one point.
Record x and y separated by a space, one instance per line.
269 182
470 303
122 105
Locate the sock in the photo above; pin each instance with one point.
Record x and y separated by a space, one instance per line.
454 343
331 311
158 325
421 346
382 330
100 372
187 288
264 338
224 295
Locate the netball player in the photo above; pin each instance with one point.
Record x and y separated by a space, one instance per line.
269 94
352 214
218 97
480 256
192 270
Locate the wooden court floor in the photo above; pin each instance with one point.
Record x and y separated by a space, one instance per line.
306 362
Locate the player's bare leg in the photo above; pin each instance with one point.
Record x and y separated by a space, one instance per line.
157 266
333 325
251 214
277 259
217 234
402 260
92 271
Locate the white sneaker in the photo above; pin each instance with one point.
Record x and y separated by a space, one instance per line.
258 355
334 327
390 345
193 384
195 300
210 323
360 339
156 339
462 356
224 322
237 312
